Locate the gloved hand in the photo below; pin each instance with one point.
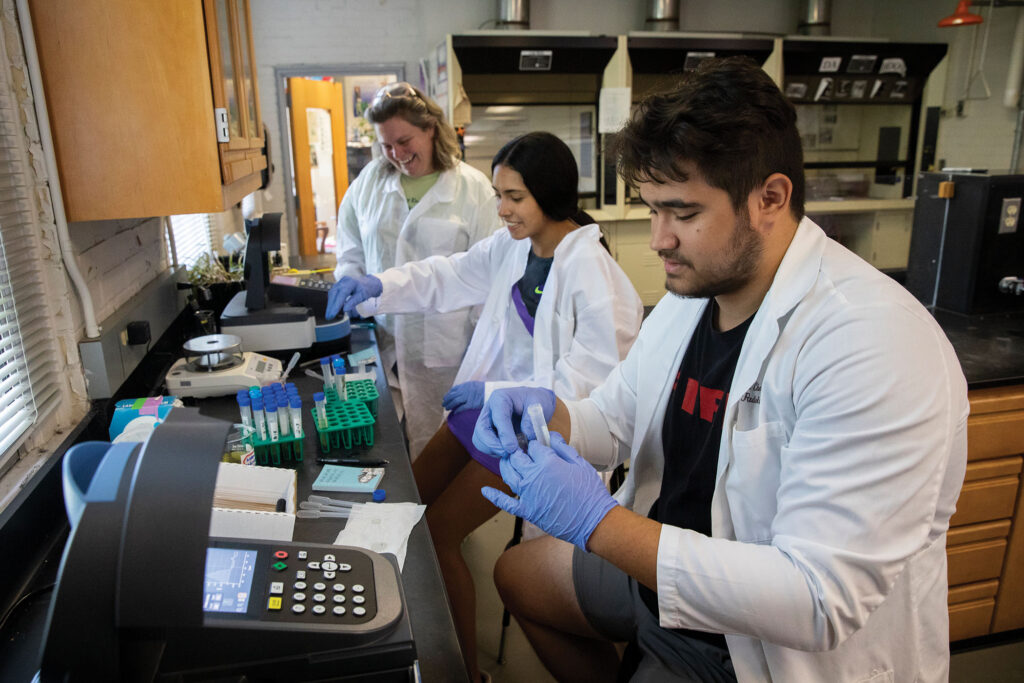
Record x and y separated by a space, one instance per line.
349 292
465 396
495 432
558 491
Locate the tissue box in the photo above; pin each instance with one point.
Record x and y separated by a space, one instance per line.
265 484
127 410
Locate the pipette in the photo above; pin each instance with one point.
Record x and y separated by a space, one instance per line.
314 505
316 514
540 425
324 500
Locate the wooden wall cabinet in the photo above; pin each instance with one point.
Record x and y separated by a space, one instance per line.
131 89
985 546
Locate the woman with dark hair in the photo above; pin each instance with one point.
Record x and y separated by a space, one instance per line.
416 199
558 313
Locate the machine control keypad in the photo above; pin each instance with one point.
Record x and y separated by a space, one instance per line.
305 590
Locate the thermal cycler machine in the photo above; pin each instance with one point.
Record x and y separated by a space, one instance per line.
144 594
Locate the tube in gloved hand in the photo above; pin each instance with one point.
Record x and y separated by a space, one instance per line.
540 425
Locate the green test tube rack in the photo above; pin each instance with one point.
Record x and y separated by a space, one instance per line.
362 390
284 452
349 423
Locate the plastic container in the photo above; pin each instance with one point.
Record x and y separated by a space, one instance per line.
349 424
366 391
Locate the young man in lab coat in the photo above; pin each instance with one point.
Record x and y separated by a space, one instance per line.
796 424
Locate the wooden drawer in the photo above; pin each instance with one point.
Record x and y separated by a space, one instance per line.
969 592
975 561
995 435
985 500
973 533
970 619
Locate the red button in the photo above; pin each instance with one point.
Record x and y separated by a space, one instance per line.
281 554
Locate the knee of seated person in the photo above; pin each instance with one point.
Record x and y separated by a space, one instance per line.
510 572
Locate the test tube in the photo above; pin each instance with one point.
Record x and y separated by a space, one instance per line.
284 418
296 409
339 379
321 409
325 370
258 418
244 409
540 425
272 427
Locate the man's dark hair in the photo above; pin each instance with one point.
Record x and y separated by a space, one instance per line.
728 119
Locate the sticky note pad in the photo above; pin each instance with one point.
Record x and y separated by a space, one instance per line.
348 479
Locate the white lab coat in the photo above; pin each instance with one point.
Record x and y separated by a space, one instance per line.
584 325
377 230
842 455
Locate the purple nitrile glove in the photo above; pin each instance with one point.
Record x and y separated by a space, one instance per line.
465 396
558 491
349 292
495 431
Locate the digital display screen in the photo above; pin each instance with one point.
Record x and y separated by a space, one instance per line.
229 573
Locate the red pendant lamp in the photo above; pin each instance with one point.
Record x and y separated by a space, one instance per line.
961 17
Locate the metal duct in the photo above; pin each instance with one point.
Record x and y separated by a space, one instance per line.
662 15
815 18
513 14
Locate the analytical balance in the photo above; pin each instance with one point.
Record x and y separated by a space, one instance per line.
215 365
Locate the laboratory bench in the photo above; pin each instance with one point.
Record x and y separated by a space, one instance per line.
36 527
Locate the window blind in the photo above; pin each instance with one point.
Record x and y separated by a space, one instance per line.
191 237
30 381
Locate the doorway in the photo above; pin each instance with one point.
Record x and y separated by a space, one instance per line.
328 143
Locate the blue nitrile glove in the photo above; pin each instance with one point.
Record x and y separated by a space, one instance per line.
495 431
349 292
465 396
558 491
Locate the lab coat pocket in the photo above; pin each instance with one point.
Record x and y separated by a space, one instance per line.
752 480
879 677
446 335
441 237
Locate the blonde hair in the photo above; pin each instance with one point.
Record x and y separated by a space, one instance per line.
402 99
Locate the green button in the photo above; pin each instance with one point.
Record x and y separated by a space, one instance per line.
279 566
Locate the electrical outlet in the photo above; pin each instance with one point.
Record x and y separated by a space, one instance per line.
1010 215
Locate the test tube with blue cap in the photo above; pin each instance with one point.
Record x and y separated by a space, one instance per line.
283 416
325 370
339 378
272 427
295 402
245 409
258 418
321 409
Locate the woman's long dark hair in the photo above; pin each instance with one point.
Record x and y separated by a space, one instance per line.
549 172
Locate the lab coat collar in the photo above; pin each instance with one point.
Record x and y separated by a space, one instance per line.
797 272
794 278
578 235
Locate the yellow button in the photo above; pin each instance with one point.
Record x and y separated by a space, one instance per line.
274 603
